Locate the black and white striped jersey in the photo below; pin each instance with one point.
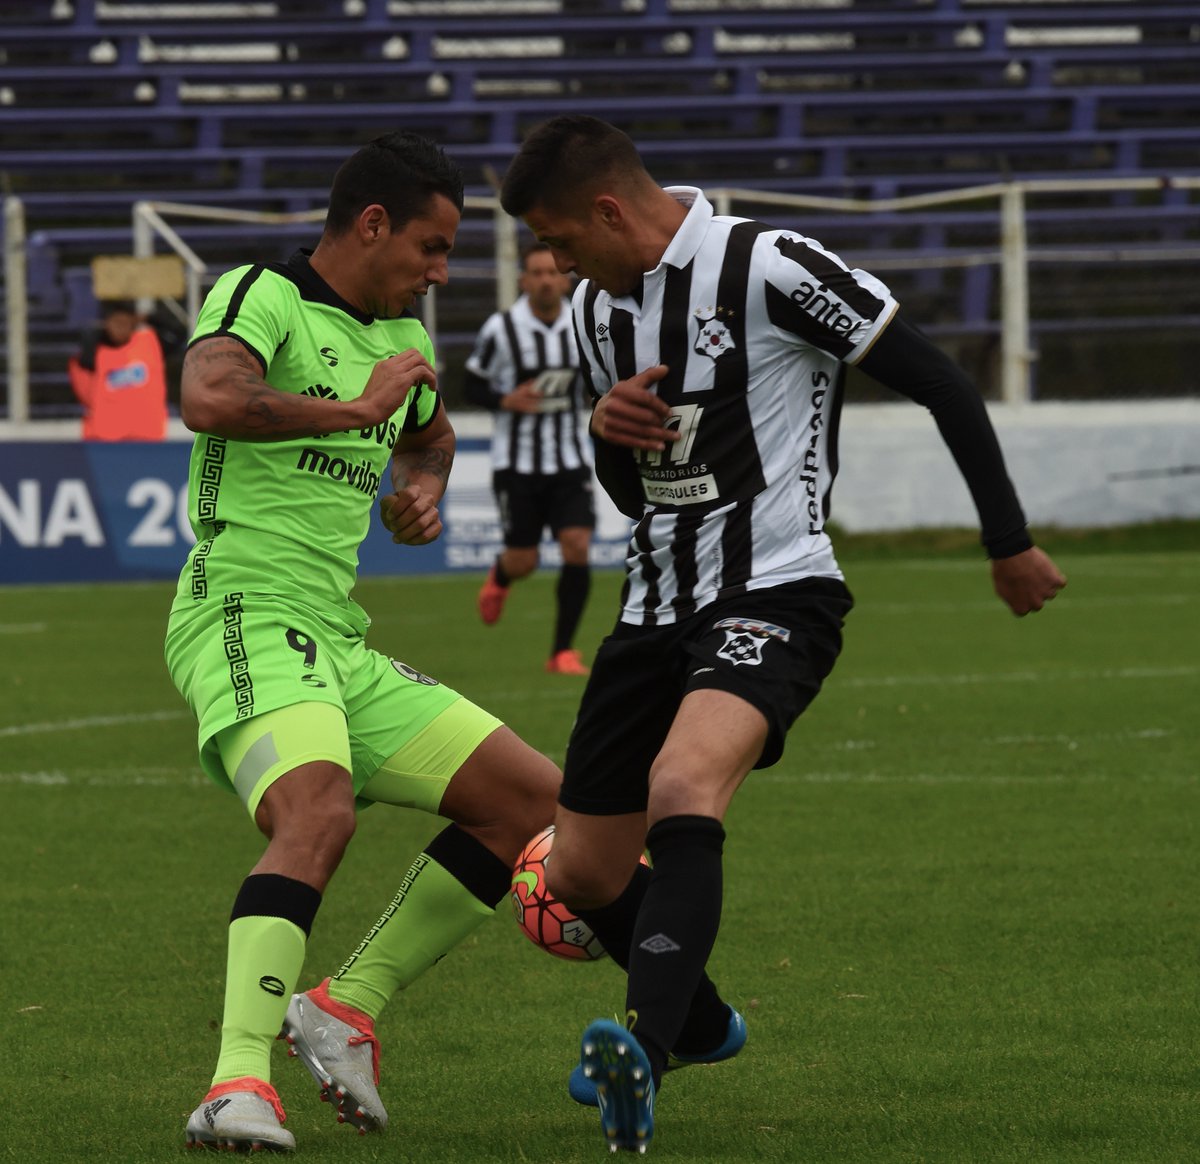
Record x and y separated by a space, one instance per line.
514 346
754 324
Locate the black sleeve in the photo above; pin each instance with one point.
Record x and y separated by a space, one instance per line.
617 472
478 390
905 360
86 354
172 335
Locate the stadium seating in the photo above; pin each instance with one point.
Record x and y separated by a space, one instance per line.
252 103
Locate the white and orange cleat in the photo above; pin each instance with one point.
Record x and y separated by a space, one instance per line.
240 1115
337 1044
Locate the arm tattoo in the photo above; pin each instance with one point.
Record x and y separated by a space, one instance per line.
430 461
262 401
261 412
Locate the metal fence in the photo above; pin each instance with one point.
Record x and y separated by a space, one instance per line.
1127 244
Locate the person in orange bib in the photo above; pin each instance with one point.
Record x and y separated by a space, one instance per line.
120 378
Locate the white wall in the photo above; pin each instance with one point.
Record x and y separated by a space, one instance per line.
1075 465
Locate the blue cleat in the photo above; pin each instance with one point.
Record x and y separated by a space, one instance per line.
583 1090
614 1062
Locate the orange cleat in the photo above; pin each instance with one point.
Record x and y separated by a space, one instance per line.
491 599
566 663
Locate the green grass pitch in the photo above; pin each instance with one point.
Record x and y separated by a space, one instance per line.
961 915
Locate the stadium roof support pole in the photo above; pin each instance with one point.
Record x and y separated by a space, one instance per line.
143 245
428 314
16 309
146 223
1015 352
508 259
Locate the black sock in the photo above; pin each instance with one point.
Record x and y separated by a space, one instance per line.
674 933
574 583
707 1021
676 928
502 579
472 863
613 923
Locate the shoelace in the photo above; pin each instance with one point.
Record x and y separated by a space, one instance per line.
369 1037
249 1083
352 1018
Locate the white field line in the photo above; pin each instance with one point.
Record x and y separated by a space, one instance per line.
933 606
932 778
961 680
1070 742
965 680
190 778
22 628
108 778
72 725
1115 564
1090 737
172 777
1060 738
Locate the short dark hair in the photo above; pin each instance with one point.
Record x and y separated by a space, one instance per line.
110 307
565 157
401 172
532 248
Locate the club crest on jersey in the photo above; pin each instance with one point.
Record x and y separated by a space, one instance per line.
713 339
746 637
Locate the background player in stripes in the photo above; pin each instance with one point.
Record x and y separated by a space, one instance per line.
716 348
523 369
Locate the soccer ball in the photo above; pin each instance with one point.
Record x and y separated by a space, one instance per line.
543 919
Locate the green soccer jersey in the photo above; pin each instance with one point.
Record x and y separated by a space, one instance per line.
286 518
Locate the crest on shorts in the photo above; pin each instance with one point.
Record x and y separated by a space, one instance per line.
413 674
714 339
746 637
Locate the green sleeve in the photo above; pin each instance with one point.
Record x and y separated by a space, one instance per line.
423 404
248 304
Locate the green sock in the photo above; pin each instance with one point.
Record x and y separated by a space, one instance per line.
431 913
265 957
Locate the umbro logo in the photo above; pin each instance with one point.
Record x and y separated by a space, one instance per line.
330 357
602 333
659 944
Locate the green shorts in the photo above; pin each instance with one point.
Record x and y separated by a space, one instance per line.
243 663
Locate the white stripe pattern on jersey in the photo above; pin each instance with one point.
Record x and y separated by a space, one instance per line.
754 324
513 346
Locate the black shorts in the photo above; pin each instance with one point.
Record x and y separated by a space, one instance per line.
773 648
532 502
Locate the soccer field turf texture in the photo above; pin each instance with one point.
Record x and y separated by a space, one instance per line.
961 915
